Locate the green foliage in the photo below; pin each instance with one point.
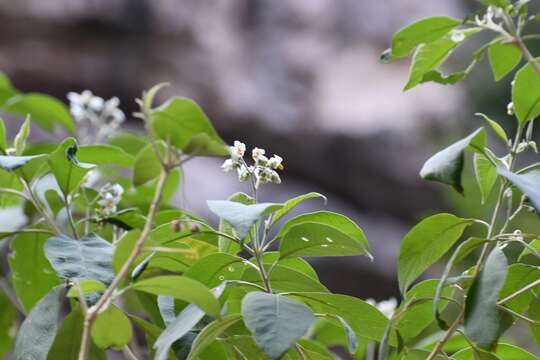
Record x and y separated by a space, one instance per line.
503 58
526 94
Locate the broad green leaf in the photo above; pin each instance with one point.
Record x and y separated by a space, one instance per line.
112 329
130 143
241 217
225 244
297 264
210 333
147 165
534 314
54 200
38 330
526 94
426 243
246 345
446 166
519 276
104 155
87 287
67 170
182 288
127 219
216 268
284 279
275 321
184 322
528 184
421 32
289 205
12 163
481 314
503 352
182 122
363 318
476 354
44 110
68 339
486 175
19 142
527 256
8 318
503 58
3 140
32 275
123 248
312 350
499 131
316 239
6 89
89 258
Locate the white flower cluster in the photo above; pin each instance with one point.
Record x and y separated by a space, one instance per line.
96 118
510 109
487 21
109 197
387 307
263 169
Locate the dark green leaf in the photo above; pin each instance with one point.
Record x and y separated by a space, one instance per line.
526 94
284 279
503 58
67 170
534 314
275 321
89 258
481 315
210 333
426 243
112 329
8 318
127 219
446 166
38 330
421 32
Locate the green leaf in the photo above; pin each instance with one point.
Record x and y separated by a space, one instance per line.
38 330
130 143
12 163
89 258
363 318
528 184
289 205
147 165
503 58
534 314
315 239
112 329
55 202
44 110
184 322
497 3
499 131
32 275
182 122
481 315
213 269
446 166
127 219
67 170
486 175
8 319
526 94
352 341
3 140
241 217
210 332
426 243
182 288
104 155
275 321
503 352
421 32
68 339
519 276
19 142
225 244
6 89
284 279
87 287
297 264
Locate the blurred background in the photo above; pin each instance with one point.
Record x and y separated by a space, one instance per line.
300 78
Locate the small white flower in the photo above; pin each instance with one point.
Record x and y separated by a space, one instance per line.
227 165
275 162
457 36
256 153
238 150
110 196
510 108
244 172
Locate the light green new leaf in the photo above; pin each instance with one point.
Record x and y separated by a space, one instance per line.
213 269
481 314
44 110
104 155
182 288
275 321
528 184
182 122
526 94
8 318
446 166
147 165
129 142
87 287
7 90
38 330
241 217
210 332
89 258
421 32
289 205
112 329
315 239
67 170
19 142
486 175
426 243
503 58
32 275
499 131
363 318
